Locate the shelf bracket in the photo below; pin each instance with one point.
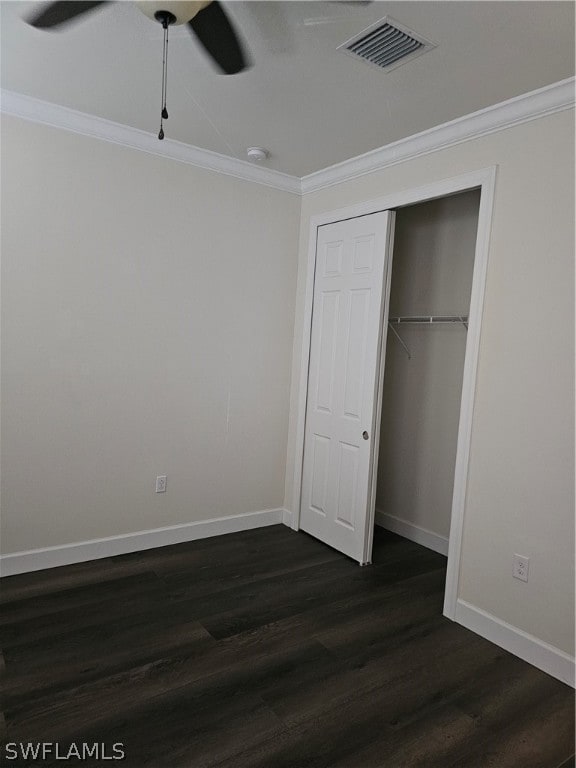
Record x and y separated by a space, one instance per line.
395 332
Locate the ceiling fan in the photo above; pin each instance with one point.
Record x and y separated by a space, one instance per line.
206 20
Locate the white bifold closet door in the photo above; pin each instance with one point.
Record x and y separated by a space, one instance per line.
350 305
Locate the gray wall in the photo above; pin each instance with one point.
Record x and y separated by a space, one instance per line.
520 492
147 326
431 275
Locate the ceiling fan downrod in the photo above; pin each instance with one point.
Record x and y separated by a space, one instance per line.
166 19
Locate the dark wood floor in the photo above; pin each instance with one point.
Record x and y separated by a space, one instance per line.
267 649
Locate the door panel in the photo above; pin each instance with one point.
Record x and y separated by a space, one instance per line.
328 323
349 302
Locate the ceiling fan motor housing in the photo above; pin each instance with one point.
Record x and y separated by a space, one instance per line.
181 11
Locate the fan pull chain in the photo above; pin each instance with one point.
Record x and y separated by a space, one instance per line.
164 112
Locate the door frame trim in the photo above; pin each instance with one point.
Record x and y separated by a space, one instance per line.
485 180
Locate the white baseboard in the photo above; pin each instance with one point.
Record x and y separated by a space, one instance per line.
288 518
546 657
413 532
79 552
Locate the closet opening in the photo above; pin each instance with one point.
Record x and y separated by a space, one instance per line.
421 391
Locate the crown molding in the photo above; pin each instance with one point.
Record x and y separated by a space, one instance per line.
529 106
56 116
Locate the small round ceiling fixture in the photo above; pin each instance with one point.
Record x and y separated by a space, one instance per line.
257 153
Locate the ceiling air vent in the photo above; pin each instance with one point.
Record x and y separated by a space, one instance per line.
386 44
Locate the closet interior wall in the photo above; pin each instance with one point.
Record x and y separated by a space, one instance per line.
432 271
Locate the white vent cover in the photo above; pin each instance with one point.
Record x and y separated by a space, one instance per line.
386 44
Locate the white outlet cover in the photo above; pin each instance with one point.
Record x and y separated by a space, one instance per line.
521 567
161 484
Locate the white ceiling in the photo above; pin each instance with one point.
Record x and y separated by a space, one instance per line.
308 103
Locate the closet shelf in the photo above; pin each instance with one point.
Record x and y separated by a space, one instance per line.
424 320
429 319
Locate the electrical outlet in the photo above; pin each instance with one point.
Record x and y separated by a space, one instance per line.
161 484
521 565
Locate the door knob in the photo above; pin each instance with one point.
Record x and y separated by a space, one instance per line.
365 435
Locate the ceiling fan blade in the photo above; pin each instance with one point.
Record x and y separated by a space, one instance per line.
59 13
215 32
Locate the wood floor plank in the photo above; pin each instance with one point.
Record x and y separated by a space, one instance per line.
179 558
217 577
423 743
247 662
117 653
268 649
343 734
232 674
369 672
278 597
541 735
146 595
51 603
52 580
